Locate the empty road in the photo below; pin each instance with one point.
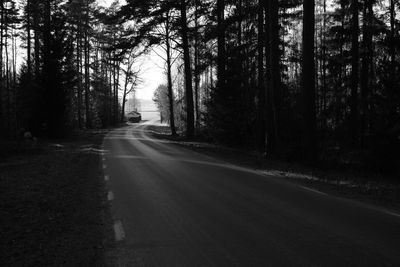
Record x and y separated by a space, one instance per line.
176 207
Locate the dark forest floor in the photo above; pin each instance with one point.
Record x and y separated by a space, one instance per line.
52 204
366 186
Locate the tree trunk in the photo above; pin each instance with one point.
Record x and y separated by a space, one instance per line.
324 67
188 74
36 33
87 68
125 92
274 76
7 74
196 66
261 86
28 40
169 78
354 74
79 71
221 44
365 65
1 63
308 81
47 69
118 70
392 46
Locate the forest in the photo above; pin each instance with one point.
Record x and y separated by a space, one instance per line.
310 81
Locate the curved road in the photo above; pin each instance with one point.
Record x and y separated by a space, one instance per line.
176 207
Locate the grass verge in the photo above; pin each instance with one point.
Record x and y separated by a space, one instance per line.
53 209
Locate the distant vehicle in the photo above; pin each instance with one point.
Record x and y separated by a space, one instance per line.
134 117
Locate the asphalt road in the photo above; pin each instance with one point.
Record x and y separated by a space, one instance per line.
176 207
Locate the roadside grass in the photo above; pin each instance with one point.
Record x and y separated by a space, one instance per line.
53 208
371 187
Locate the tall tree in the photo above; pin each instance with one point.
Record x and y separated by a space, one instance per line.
221 64
354 109
28 14
274 87
188 72
392 45
169 73
308 80
261 84
366 63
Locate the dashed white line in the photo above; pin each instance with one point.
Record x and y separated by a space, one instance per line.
110 195
119 231
106 177
104 166
313 190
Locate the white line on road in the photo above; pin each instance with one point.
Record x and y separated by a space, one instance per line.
106 177
313 190
104 166
110 195
119 231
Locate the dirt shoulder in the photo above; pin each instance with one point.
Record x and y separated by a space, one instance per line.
53 206
373 188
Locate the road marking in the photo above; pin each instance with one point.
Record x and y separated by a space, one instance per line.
313 190
104 159
104 166
106 177
110 195
119 231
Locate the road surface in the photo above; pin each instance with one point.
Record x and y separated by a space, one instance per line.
176 207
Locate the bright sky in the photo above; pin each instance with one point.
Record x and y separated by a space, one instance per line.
151 65
152 74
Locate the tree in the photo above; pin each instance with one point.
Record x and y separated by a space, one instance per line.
261 84
169 74
188 72
131 80
308 82
221 43
354 73
274 92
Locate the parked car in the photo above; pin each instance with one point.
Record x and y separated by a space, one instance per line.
134 117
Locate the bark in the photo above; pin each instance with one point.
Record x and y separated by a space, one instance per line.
87 68
7 75
324 67
35 10
365 65
260 72
196 67
392 48
354 109
118 70
221 64
79 69
125 94
1 63
188 73
28 41
169 78
308 81
275 77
